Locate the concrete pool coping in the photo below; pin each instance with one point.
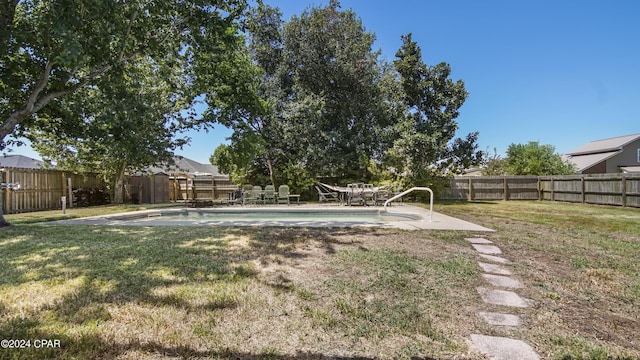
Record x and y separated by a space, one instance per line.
440 221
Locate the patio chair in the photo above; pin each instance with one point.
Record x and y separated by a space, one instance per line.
246 189
283 194
381 196
368 193
355 194
269 194
249 196
257 193
325 196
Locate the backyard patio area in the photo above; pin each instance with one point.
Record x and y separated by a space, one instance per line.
124 292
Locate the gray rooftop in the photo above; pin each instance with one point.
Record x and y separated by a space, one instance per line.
604 145
187 166
20 161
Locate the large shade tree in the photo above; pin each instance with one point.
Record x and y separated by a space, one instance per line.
129 120
327 95
52 49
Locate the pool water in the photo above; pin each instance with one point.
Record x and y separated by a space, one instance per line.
266 217
400 217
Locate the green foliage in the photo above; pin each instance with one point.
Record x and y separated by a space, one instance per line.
122 124
494 165
109 85
424 147
333 109
53 49
328 107
535 159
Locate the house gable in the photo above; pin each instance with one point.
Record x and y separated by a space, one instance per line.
607 155
629 157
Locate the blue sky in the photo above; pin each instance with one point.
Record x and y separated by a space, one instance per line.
558 72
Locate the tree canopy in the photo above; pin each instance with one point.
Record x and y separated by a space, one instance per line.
425 144
324 87
50 49
535 159
122 124
109 84
337 111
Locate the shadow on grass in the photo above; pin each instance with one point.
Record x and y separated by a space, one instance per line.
70 275
95 347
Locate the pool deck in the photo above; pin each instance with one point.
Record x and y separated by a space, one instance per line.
439 221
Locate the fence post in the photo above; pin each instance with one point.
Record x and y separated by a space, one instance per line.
553 188
505 189
8 199
70 190
540 192
582 189
470 189
624 190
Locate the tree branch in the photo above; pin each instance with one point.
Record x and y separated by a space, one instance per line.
36 102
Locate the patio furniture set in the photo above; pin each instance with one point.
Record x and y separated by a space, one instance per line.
354 194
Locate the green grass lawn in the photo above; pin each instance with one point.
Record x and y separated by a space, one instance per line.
283 293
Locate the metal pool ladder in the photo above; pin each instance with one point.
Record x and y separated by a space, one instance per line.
411 190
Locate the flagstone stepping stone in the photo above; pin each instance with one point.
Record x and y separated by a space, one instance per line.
487 249
501 348
502 297
495 258
500 319
494 269
502 281
478 241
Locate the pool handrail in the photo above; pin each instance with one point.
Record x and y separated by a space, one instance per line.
421 188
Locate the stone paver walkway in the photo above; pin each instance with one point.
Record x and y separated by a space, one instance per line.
501 294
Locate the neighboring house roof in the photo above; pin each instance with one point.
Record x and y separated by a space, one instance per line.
597 151
20 161
586 161
188 166
605 145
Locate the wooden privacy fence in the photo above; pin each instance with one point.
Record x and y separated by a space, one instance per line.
604 189
42 189
492 188
184 187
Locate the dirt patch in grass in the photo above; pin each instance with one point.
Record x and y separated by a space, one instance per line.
367 293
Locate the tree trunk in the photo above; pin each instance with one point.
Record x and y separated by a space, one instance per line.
270 166
118 191
3 222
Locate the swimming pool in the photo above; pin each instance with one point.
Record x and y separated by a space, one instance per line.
401 216
266 216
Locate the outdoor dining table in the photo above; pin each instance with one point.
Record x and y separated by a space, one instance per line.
357 192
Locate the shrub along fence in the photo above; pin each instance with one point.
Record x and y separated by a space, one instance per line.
44 189
604 189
